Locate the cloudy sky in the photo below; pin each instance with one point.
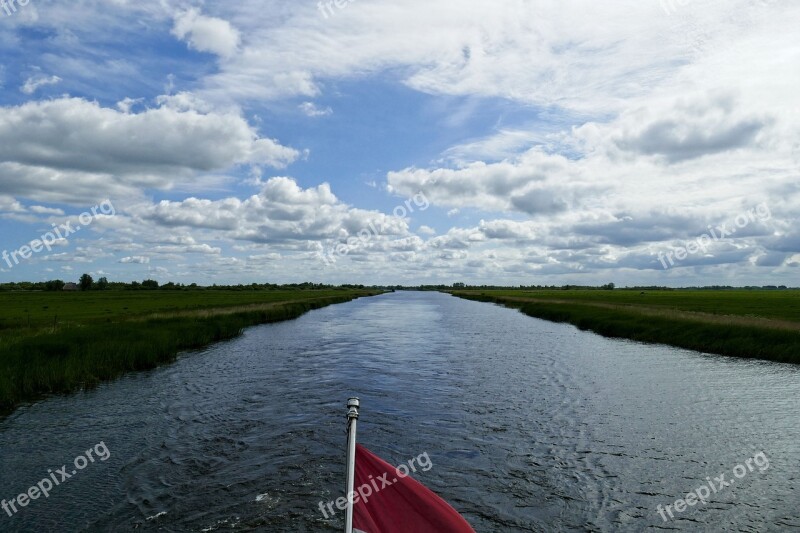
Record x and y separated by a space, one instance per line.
413 141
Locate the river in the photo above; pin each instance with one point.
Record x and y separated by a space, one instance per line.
529 426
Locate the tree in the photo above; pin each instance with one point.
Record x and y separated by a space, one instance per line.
102 284
54 285
149 284
86 282
609 287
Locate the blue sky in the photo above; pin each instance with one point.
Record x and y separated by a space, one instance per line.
519 142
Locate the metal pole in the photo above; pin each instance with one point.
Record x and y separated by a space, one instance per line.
352 418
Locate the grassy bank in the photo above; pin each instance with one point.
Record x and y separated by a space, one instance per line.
99 336
752 324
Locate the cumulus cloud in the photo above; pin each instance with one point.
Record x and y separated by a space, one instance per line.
639 184
81 254
9 204
110 152
536 184
206 34
126 104
689 129
282 212
648 129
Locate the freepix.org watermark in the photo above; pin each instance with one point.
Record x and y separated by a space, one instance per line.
326 7
59 233
702 494
10 6
725 231
375 485
54 479
362 238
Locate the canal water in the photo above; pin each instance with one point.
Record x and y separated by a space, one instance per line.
529 426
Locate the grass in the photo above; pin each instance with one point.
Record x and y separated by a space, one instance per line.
24 312
100 336
781 305
751 324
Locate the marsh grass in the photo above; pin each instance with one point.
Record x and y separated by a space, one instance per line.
81 356
693 331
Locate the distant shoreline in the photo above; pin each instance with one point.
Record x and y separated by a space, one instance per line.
723 323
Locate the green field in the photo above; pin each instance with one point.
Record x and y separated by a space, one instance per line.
53 342
27 313
759 324
780 305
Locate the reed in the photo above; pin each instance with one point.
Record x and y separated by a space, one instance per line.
694 331
81 356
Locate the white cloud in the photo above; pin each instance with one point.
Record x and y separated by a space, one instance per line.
591 58
689 128
9 204
187 249
535 184
126 104
649 128
113 153
41 210
265 257
282 212
206 34
504 144
138 260
311 110
33 83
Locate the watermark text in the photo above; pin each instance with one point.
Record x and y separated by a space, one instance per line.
724 231
702 494
54 479
418 202
375 485
326 7
10 6
57 234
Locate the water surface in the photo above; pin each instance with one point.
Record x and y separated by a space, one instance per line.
530 426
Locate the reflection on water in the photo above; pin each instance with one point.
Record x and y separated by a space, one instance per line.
530 426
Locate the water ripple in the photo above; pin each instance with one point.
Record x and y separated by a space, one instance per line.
531 426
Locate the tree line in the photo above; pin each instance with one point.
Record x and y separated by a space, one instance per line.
87 283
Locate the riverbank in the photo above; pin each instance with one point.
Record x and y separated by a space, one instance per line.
750 324
78 340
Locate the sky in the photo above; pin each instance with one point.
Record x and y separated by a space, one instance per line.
513 142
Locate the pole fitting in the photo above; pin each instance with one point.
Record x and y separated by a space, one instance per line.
352 408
